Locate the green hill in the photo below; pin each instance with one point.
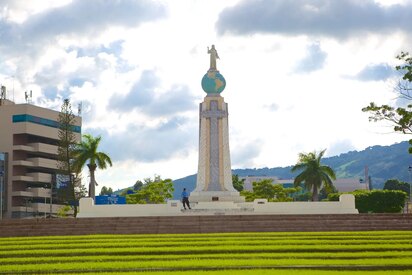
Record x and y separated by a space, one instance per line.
384 162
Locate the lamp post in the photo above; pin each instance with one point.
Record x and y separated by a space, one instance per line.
1 194
410 184
26 202
51 199
45 202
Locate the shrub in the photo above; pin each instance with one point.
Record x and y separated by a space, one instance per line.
376 201
249 195
335 196
305 197
63 211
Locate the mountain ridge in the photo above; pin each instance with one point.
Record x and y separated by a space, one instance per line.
383 162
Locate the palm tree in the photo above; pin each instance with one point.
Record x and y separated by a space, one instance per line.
313 173
87 151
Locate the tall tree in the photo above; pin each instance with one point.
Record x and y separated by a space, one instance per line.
238 184
138 185
265 189
399 117
106 191
66 147
87 151
313 174
395 184
152 191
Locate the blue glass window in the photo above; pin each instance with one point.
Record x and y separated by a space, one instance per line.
41 121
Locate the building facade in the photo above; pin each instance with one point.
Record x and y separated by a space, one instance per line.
28 159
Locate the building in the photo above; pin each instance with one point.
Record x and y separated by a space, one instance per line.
28 159
342 185
350 184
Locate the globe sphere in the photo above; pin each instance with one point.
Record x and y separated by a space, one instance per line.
213 82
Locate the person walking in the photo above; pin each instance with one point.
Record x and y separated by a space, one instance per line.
185 199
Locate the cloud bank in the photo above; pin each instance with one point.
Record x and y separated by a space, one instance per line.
376 72
71 25
148 144
142 96
338 19
76 19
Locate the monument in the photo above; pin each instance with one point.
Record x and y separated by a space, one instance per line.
214 175
214 193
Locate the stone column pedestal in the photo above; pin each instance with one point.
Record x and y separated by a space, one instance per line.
214 176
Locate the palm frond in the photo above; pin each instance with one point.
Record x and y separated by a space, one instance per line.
313 173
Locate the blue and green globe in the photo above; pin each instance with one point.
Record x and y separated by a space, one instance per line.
213 82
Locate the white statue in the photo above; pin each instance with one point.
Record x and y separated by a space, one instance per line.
213 57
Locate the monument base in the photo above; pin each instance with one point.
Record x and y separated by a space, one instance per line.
216 196
345 205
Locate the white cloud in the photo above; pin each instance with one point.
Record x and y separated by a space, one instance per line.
339 147
244 154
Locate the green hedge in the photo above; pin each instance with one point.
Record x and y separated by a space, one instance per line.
376 201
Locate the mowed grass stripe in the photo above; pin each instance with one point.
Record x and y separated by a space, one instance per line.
136 239
260 271
151 237
213 238
253 235
204 263
160 244
206 249
189 238
211 241
234 256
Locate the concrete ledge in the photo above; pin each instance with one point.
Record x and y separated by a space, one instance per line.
215 205
345 205
216 196
89 209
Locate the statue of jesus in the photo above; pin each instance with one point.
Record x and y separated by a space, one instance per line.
213 57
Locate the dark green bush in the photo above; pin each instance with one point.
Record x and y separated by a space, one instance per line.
394 184
335 196
307 196
376 201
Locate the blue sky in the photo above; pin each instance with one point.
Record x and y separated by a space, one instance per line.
298 74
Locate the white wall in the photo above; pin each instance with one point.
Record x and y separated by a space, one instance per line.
345 205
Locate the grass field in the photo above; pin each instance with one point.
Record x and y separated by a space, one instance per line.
232 253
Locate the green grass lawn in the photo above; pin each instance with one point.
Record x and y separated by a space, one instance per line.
226 253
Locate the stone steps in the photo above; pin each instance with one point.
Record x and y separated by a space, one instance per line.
205 224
